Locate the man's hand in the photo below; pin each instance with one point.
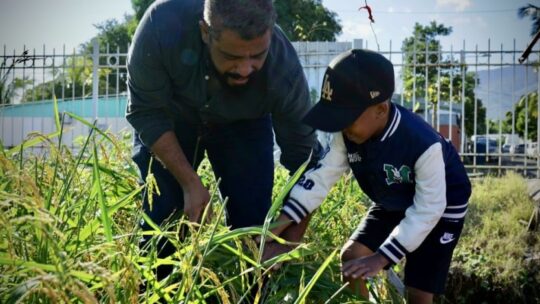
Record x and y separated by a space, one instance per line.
364 267
168 151
196 197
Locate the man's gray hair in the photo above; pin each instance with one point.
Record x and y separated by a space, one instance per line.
248 18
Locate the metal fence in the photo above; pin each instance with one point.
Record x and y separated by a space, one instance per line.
475 98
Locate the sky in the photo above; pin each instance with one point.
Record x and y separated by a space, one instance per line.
474 21
55 23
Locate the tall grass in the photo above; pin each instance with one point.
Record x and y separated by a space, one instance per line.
497 259
69 233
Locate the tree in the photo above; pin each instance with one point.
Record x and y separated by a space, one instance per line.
526 117
140 6
533 12
307 20
75 81
446 78
117 35
8 90
113 37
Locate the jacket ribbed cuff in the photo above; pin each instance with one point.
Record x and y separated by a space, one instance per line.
393 250
293 209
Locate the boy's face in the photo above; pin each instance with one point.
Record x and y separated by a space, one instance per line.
369 124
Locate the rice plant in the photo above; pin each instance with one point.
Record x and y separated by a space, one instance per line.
69 233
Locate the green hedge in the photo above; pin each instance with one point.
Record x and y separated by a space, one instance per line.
497 259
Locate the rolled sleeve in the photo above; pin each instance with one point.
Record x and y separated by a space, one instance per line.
149 86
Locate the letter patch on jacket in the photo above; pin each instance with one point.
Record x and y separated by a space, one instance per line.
354 157
395 176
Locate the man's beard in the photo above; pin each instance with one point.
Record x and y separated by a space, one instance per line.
235 89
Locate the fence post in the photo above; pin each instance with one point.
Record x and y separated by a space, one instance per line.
95 76
357 44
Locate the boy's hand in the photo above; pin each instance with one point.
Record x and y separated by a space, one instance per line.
284 221
274 249
364 267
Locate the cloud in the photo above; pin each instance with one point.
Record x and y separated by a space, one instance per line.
459 5
354 30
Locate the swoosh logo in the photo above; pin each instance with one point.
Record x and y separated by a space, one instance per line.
446 240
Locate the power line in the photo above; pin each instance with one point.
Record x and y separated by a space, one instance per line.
434 12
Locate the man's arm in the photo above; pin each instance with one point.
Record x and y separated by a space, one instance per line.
170 154
150 95
295 139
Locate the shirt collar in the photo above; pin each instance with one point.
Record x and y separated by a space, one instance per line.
392 124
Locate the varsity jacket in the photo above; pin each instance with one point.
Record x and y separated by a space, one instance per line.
409 167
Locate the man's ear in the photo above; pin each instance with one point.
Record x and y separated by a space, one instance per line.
205 31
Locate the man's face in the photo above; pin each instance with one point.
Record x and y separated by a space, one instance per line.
235 59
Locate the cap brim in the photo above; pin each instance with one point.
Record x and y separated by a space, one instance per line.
328 118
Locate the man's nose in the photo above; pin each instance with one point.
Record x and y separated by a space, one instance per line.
245 68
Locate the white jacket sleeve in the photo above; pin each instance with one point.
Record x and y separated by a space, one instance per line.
312 188
427 209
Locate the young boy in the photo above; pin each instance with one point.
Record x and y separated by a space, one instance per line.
415 178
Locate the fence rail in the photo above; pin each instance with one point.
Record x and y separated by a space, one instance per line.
483 101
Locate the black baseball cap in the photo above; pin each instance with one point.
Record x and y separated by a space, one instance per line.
353 81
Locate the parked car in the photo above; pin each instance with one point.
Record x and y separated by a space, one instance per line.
532 150
481 145
518 149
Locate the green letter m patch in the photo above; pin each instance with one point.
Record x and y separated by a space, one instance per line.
395 176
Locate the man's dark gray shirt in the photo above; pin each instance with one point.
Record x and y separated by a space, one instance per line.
171 80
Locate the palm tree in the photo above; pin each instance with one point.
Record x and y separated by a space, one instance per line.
533 12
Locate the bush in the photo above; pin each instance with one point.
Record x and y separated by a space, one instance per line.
497 260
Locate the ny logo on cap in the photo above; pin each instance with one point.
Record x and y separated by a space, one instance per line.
374 94
326 89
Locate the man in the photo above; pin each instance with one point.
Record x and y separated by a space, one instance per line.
216 79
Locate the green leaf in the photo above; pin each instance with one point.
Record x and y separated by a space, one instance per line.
32 142
303 295
9 261
278 202
97 190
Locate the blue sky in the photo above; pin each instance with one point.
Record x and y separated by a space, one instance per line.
475 21
70 22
